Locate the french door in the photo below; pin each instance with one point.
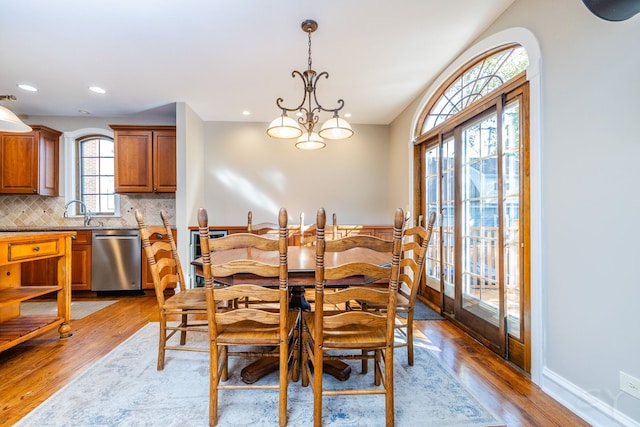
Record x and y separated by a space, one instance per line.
474 175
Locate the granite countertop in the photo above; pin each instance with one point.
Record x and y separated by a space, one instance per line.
63 228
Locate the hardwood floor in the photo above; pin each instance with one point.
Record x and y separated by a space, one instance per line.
34 370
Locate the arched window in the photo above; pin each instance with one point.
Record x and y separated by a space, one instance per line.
480 78
471 156
95 174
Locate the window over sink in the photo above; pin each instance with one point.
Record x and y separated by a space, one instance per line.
89 174
95 185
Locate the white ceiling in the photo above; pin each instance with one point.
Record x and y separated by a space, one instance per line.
225 56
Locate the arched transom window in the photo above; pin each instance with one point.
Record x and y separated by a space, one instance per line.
479 79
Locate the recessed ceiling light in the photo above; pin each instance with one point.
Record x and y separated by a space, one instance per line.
28 88
347 115
246 113
97 89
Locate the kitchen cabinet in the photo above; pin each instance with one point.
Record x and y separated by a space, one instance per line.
15 250
29 162
145 159
147 278
81 261
43 272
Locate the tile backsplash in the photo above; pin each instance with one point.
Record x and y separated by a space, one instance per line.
20 211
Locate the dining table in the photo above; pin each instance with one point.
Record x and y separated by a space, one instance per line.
301 265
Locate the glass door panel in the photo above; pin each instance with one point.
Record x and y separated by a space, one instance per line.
447 216
479 222
432 188
511 217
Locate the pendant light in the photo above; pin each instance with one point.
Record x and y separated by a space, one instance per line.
284 127
9 122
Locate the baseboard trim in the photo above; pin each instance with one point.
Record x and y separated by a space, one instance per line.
583 404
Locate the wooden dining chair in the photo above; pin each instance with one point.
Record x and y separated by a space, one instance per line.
415 242
254 325
331 335
188 306
308 234
308 237
268 229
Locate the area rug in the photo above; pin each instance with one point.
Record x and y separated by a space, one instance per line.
125 389
423 312
79 309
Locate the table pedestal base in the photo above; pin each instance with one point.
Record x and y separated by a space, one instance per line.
258 369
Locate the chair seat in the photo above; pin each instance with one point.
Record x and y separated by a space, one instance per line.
192 298
256 333
345 337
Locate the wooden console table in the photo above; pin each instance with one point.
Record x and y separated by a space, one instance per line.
18 248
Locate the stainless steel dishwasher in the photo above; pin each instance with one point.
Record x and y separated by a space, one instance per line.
115 260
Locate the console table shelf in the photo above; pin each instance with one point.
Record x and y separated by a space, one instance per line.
24 293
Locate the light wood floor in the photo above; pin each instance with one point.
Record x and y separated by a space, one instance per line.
32 371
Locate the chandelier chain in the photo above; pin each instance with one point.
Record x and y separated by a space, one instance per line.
309 50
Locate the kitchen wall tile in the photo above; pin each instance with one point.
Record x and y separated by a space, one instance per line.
26 211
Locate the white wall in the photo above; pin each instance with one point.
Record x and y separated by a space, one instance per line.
190 176
588 237
247 170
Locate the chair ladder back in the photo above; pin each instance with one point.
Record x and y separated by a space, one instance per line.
153 253
414 249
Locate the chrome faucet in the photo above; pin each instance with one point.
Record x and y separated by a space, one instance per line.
88 215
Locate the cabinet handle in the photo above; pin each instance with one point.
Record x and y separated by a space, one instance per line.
73 237
36 248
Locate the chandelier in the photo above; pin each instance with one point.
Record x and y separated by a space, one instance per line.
285 127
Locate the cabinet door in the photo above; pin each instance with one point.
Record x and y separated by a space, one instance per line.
133 161
49 143
81 261
19 155
29 162
164 161
147 278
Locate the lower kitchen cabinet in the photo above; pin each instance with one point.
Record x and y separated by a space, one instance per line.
147 278
44 272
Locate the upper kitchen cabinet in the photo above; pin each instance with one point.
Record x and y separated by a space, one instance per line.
29 162
145 159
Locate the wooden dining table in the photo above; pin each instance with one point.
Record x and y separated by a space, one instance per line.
301 265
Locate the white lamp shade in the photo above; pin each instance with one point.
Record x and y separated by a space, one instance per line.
336 128
9 122
284 127
310 141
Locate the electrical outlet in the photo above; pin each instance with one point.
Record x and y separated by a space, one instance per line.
630 385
